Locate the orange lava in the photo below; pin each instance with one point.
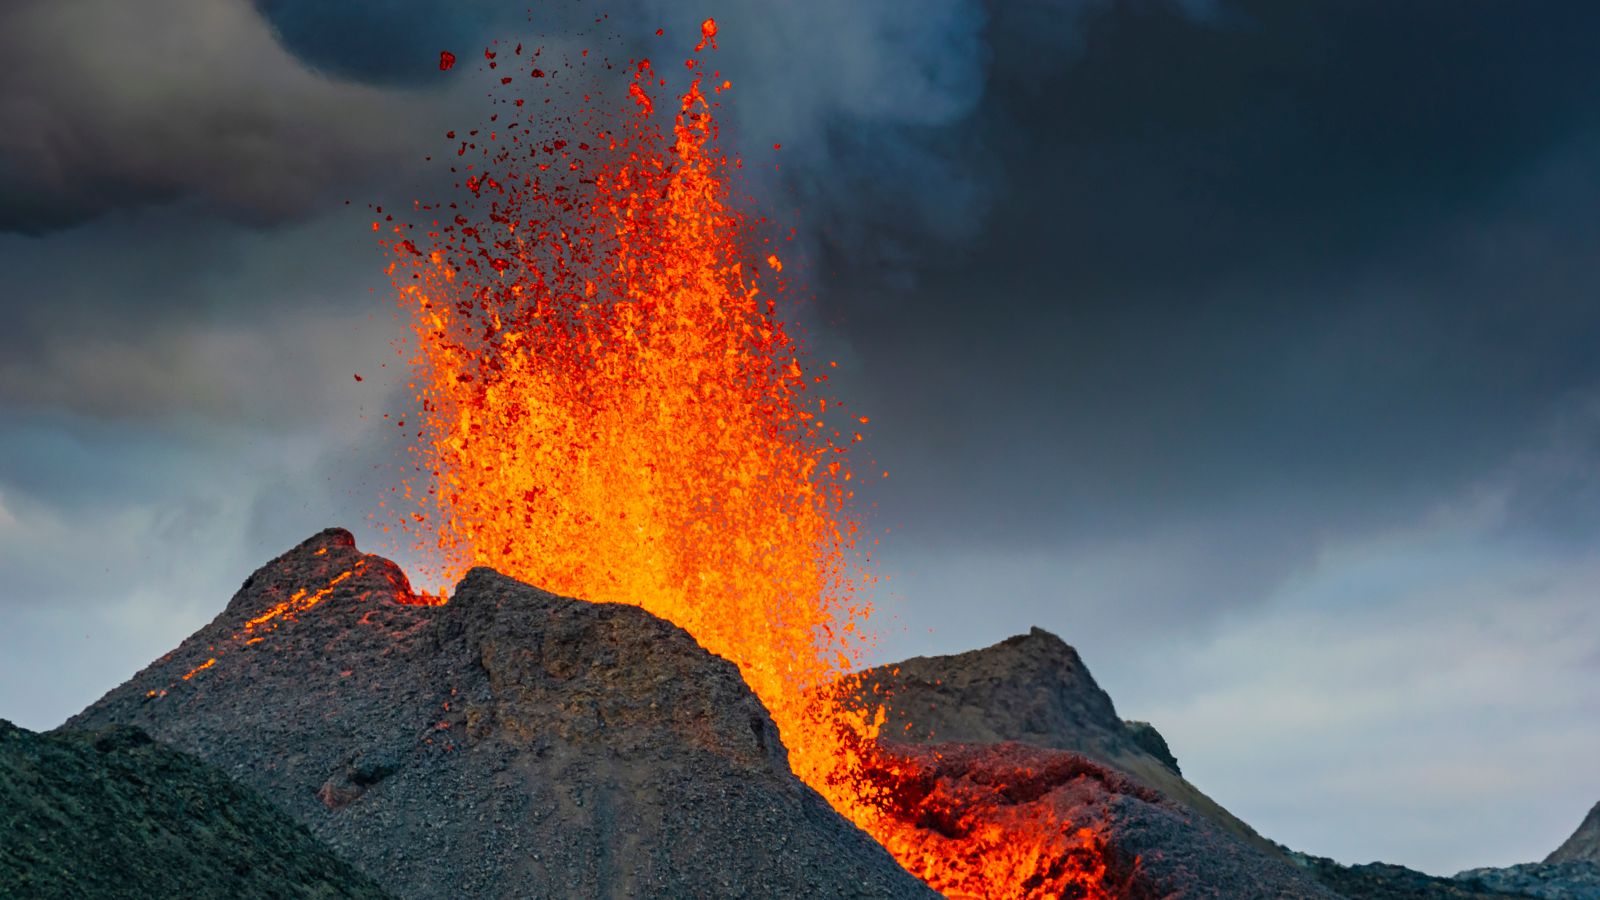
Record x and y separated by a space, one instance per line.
991 831
612 407
289 610
296 604
1024 858
205 665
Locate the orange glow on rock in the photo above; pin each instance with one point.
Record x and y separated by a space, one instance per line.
614 409
989 830
289 610
205 665
299 603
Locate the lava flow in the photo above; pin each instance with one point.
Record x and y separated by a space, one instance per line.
614 409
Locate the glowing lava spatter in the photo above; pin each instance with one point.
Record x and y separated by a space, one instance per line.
614 409
257 629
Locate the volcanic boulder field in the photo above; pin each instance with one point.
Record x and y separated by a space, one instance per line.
516 743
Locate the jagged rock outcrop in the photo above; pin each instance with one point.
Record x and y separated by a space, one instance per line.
1147 738
1059 812
510 743
1584 844
112 814
1035 689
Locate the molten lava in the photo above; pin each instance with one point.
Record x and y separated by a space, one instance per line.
998 820
615 410
257 629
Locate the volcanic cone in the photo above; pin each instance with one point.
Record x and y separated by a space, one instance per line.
510 743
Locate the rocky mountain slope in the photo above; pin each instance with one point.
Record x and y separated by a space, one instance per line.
1570 872
1035 689
1575 879
1584 843
508 743
1383 881
111 815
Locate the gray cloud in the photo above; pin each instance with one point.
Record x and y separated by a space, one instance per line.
1430 682
1171 309
105 105
160 314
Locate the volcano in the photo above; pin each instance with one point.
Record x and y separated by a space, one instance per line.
513 742
508 743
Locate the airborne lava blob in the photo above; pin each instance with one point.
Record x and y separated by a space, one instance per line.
615 410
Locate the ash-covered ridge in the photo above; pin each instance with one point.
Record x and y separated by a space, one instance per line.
509 743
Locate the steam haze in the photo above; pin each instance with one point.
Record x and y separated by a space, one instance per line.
1251 347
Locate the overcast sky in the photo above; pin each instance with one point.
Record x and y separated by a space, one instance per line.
1249 345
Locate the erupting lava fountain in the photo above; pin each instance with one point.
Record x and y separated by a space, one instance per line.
614 410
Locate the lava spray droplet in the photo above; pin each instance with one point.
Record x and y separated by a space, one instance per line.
708 35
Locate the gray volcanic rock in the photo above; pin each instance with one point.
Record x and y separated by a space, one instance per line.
511 743
1035 689
1151 846
1572 872
1577 879
1147 738
1384 881
1584 843
111 814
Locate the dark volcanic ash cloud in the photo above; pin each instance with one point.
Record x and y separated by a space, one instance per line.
1335 258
